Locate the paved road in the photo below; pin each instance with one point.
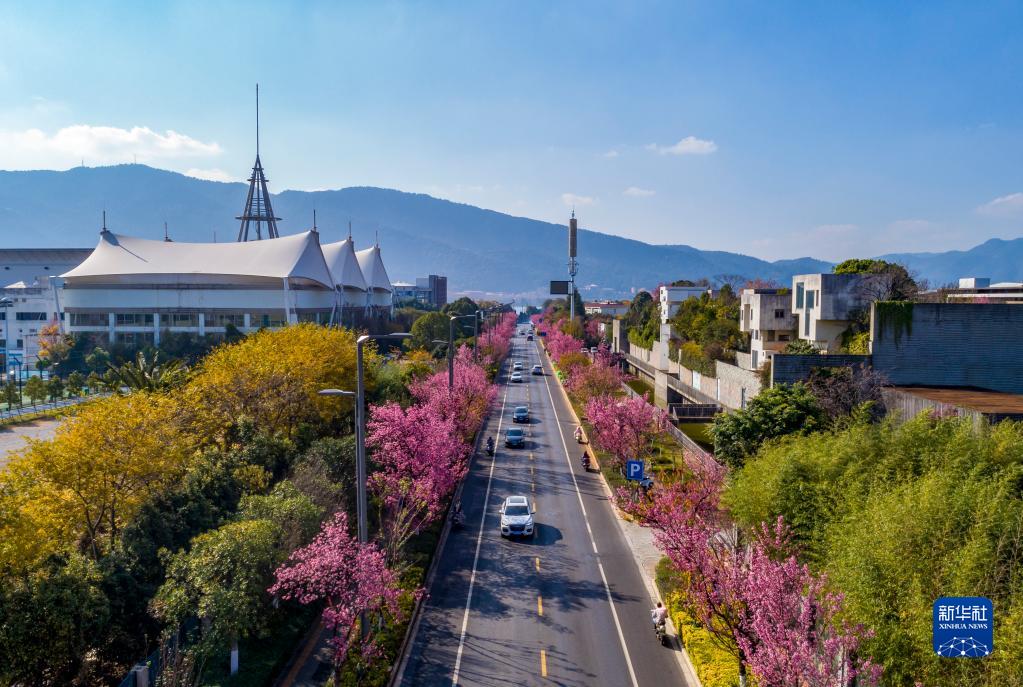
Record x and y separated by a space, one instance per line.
12 437
568 607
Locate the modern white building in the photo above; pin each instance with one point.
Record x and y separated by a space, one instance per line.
671 297
981 290
766 315
613 308
824 306
131 290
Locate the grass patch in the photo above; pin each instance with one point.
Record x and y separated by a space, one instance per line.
641 387
700 433
714 666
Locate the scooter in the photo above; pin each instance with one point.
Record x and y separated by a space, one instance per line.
579 434
490 446
661 632
457 518
586 462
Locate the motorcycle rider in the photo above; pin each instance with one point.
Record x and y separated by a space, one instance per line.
457 516
658 615
579 434
586 461
490 446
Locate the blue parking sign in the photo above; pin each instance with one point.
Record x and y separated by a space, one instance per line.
634 469
963 626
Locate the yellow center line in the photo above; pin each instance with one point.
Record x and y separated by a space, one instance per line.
543 663
539 605
538 564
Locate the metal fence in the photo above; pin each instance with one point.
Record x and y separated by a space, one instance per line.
690 446
50 405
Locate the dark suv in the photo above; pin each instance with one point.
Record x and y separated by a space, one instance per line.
521 414
515 438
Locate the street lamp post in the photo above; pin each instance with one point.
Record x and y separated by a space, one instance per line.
361 505
6 302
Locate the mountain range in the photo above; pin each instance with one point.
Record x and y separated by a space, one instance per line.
481 251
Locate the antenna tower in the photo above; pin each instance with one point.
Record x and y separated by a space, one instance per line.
258 210
573 266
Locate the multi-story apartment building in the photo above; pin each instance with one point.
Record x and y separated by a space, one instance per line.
671 297
981 290
766 315
824 305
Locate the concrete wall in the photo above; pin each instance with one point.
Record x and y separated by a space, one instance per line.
952 344
905 406
735 386
788 369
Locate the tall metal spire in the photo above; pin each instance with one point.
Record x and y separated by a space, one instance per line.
258 210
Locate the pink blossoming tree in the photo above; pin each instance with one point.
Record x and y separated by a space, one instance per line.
420 458
347 577
465 404
595 380
625 428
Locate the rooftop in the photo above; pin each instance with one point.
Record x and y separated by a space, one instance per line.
981 400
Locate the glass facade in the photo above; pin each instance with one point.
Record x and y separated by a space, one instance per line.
89 319
133 319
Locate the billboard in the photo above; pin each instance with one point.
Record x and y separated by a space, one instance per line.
559 288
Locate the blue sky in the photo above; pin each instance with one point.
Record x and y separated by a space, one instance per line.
773 129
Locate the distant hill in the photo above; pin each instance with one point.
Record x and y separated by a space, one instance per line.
479 250
1000 259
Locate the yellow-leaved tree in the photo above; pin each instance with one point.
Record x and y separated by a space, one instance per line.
272 378
80 488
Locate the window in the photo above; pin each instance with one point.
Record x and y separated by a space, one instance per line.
21 343
182 319
135 338
222 319
809 300
783 337
30 316
273 318
134 319
799 295
779 313
89 319
770 335
806 327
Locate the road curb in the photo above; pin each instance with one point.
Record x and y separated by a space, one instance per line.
681 655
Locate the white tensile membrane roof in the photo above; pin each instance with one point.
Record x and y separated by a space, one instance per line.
118 258
372 266
344 266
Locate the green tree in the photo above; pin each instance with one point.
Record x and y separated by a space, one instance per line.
97 360
55 388
35 388
222 578
783 409
898 515
75 383
12 394
431 326
147 373
800 347
51 617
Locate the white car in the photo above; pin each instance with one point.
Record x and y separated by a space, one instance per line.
517 517
517 366
537 370
515 377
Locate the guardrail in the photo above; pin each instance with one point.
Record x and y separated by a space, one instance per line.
681 412
51 405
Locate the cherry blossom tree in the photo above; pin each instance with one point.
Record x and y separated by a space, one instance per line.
754 597
801 642
421 457
466 402
624 428
348 577
595 380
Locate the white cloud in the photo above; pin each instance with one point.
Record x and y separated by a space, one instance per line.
210 174
610 155
572 200
1003 206
637 192
33 148
690 145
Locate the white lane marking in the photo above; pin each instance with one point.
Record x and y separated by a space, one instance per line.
479 542
593 543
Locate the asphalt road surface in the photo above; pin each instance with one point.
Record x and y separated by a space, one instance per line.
567 607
